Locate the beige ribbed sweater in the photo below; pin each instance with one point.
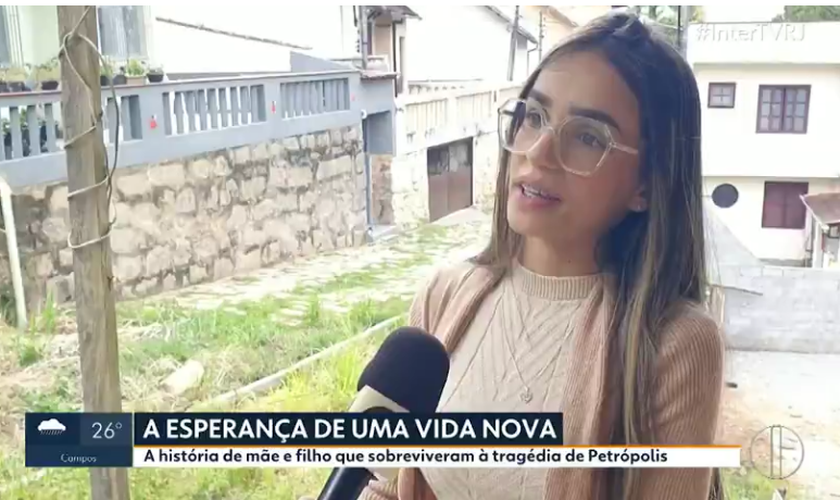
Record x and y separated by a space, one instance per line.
528 316
686 391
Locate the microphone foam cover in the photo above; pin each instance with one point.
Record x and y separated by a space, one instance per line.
410 369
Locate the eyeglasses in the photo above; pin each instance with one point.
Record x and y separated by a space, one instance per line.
580 144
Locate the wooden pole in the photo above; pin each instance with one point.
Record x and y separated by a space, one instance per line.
81 103
364 37
512 55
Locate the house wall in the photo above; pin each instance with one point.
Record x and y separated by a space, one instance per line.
554 30
38 32
409 190
382 196
788 309
485 168
205 217
830 252
460 42
328 30
218 53
744 218
379 132
401 183
766 307
381 41
187 50
731 146
734 153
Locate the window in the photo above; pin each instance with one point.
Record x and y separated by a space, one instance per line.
725 195
721 95
783 109
122 32
783 206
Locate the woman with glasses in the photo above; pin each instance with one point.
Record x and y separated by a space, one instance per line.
589 297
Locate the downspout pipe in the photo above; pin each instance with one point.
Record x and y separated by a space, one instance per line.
368 178
14 254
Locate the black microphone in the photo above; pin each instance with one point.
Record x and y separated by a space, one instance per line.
407 375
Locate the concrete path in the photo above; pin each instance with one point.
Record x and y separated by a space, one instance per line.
798 391
403 260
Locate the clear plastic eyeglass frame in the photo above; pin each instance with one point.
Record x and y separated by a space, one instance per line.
545 128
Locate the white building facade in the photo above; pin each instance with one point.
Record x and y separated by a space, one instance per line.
440 43
771 99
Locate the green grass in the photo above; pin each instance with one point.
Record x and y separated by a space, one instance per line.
29 349
431 233
747 484
236 343
374 275
327 385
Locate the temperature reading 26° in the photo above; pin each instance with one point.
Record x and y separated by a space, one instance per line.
107 431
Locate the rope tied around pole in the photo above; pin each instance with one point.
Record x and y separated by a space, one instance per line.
95 127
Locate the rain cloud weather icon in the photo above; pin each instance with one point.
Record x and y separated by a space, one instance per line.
51 427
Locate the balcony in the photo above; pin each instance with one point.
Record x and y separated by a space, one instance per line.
441 113
162 121
764 43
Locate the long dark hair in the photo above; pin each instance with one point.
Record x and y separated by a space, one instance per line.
657 256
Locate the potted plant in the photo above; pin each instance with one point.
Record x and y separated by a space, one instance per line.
106 75
120 78
155 74
135 72
4 85
15 78
48 74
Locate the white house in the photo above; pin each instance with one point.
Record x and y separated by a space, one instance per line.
461 42
437 43
771 96
186 40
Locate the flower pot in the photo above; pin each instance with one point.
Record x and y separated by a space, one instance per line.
4 87
17 87
155 77
104 81
49 85
135 80
119 80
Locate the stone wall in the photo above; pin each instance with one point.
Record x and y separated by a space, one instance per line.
410 188
382 195
485 168
203 218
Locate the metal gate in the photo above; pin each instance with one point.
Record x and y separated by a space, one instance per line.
450 178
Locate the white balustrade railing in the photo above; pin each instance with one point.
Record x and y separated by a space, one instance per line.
431 118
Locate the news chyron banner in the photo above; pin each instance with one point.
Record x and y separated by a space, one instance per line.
189 440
